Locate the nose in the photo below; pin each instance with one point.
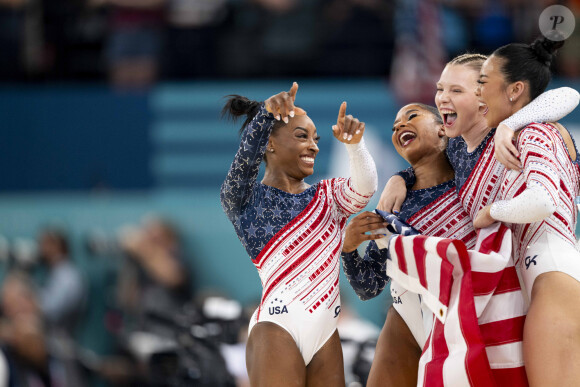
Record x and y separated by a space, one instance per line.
399 126
478 90
313 146
441 96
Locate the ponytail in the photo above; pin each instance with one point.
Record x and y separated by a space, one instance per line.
237 106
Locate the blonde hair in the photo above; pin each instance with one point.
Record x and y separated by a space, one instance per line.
475 61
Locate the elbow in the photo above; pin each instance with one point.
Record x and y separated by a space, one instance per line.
549 209
572 94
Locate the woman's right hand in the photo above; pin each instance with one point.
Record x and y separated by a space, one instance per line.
505 150
357 228
282 106
393 195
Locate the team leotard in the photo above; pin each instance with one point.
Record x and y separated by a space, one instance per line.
295 240
538 205
478 176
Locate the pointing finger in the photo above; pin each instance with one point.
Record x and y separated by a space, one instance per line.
341 115
293 91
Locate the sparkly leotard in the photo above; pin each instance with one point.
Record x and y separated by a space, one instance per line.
295 240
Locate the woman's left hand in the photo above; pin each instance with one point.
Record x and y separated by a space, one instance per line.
483 218
347 129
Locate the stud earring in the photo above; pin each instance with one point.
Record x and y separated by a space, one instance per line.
271 150
511 99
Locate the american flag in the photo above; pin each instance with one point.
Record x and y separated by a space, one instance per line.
475 295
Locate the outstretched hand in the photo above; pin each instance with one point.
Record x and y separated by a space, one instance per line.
282 106
347 129
505 150
357 228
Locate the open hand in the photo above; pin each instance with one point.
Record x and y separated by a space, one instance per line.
347 129
357 228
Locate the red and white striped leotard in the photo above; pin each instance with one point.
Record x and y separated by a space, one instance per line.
538 204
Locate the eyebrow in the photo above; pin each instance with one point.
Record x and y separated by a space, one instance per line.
483 75
306 130
407 112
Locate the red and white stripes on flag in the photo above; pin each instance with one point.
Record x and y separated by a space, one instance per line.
475 295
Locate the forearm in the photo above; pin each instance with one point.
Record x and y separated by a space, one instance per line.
549 106
363 170
367 275
244 170
532 205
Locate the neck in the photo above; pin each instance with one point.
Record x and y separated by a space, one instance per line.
474 136
284 182
432 171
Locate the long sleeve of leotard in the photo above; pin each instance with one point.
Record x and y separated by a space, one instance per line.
540 196
550 106
241 178
363 170
367 275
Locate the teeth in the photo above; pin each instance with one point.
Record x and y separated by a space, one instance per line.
308 159
406 136
447 111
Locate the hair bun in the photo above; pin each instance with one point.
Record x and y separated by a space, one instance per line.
545 49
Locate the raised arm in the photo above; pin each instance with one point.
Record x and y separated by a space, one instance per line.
550 106
242 175
241 178
357 190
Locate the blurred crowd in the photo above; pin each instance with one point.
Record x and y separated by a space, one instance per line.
128 314
134 43
134 322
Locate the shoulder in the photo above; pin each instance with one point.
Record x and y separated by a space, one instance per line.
537 132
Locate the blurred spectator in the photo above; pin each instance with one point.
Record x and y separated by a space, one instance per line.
356 38
12 22
135 41
63 295
270 38
568 58
155 277
70 41
419 54
22 334
192 38
356 334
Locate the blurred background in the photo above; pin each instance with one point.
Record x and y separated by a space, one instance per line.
117 263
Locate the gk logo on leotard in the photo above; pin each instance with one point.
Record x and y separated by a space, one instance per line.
336 311
529 260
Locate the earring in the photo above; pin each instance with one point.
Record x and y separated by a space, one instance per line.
511 99
271 150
